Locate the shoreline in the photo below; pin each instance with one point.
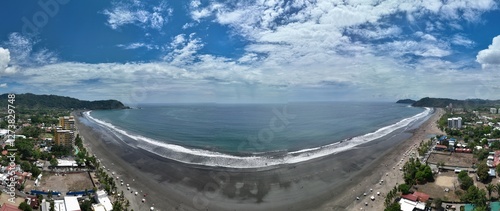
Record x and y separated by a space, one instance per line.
204 158
172 185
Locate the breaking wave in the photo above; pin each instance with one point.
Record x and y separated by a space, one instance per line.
262 160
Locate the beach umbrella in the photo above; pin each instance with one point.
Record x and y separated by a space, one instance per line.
152 208
378 193
373 197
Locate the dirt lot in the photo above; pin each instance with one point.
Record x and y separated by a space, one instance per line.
68 182
436 189
452 159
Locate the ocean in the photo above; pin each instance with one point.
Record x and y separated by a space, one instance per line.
254 135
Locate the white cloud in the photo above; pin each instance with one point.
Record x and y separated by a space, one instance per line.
461 40
183 49
4 85
490 57
22 53
138 14
137 45
5 68
291 45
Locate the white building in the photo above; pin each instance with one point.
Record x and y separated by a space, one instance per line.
71 203
98 207
45 205
102 198
407 205
455 122
59 205
493 110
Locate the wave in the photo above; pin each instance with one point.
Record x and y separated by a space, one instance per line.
216 159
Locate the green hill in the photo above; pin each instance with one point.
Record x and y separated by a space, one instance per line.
443 102
33 101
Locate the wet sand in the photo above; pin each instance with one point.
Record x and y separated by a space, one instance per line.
326 183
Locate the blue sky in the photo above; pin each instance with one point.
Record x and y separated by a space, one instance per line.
251 51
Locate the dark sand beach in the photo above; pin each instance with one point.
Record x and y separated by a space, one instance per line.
327 183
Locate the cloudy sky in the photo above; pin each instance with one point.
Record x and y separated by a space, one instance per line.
252 50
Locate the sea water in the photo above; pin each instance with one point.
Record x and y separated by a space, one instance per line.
255 135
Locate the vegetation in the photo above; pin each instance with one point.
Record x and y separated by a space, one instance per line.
475 196
406 101
465 181
31 131
490 188
393 207
443 102
438 204
483 172
32 101
424 147
24 206
417 173
404 188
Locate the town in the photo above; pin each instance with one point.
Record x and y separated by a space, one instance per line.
45 166
455 170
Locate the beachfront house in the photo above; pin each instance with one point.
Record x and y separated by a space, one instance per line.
71 203
102 198
413 201
9 207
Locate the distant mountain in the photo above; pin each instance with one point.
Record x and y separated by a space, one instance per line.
406 101
443 102
33 101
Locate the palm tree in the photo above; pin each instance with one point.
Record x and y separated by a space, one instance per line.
490 187
497 187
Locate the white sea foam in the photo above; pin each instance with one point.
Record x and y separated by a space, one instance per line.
217 159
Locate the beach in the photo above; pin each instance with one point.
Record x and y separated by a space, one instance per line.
328 183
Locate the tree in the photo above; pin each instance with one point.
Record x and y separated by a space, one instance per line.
464 180
490 188
482 172
53 162
25 166
475 196
497 188
393 207
86 206
25 207
404 188
438 203
35 171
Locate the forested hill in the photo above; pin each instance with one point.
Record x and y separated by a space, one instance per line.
443 102
32 101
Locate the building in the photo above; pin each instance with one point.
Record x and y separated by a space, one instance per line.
64 137
71 203
33 202
9 207
413 201
455 122
45 206
98 207
439 147
408 205
493 110
102 198
59 205
67 122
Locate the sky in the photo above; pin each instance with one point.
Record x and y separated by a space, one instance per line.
252 50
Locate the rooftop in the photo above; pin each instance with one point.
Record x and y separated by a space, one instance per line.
9 207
